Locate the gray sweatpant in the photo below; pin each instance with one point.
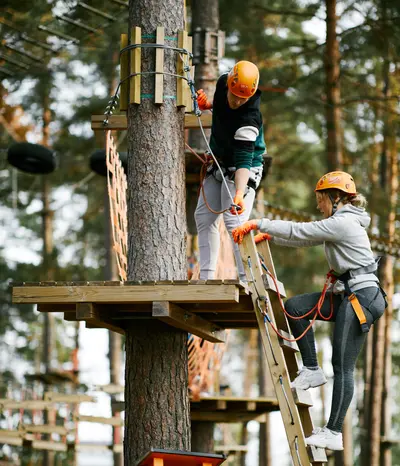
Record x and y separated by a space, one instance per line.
207 223
347 340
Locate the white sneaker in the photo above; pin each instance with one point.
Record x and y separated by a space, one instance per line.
308 378
325 438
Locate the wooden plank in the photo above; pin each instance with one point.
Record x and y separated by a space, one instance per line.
185 320
275 357
302 398
119 122
68 398
288 345
124 70
135 66
188 94
231 448
127 294
49 445
180 83
269 284
14 441
27 404
46 429
11 433
111 421
159 78
111 388
228 416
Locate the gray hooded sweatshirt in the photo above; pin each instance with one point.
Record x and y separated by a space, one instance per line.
344 236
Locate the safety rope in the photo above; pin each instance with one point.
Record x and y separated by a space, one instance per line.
316 309
296 447
287 399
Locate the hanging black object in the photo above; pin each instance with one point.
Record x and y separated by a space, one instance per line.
98 161
31 158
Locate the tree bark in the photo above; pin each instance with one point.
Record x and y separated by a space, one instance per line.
332 71
156 379
392 184
202 436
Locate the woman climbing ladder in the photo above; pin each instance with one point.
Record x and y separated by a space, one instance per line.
355 299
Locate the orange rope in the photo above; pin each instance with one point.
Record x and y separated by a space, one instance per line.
316 308
203 170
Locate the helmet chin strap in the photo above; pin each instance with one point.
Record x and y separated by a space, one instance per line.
335 203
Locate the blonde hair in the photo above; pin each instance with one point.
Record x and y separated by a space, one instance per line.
357 200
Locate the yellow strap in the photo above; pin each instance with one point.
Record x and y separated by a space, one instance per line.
357 308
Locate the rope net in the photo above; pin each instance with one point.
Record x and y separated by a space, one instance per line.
117 185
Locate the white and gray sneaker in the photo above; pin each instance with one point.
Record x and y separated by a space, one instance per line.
308 378
324 438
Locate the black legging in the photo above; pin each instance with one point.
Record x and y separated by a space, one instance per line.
347 340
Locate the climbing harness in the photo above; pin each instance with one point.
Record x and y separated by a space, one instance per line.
353 300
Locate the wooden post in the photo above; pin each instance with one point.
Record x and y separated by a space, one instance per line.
124 63
181 83
159 78
135 66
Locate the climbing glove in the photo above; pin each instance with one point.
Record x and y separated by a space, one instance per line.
238 202
239 232
202 100
260 237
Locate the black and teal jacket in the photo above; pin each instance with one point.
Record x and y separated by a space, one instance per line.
237 137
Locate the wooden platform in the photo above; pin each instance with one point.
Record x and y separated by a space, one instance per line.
225 409
119 122
204 308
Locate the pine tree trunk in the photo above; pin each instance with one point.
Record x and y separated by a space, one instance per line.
392 184
156 380
332 71
202 436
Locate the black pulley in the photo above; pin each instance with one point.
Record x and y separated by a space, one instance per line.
31 158
98 161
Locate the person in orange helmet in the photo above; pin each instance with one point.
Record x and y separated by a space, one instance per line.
237 142
357 298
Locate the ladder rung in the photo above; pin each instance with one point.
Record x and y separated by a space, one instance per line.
270 285
316 454
302 397
288 345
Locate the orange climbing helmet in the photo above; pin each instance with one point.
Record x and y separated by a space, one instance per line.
243 79
337 180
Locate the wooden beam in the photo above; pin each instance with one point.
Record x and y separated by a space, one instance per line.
181 83
124 70
185 320
126 294
135 66
119 122
72 398
269 284
94 318
46 429
159 77
27 404
112 421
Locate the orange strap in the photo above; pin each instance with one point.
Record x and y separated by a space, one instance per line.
355 303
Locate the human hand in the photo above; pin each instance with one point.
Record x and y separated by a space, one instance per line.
239 232
239 202
260 237
202 100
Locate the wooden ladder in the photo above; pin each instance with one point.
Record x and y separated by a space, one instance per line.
281 355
